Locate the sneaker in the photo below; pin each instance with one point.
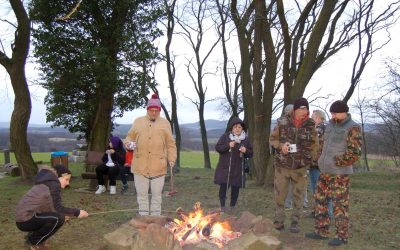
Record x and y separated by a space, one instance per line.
100 189
315 236
294 227
113 189
336 242
223 210
124 188
279 225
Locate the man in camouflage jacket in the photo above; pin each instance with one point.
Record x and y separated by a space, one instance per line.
296 130
342 147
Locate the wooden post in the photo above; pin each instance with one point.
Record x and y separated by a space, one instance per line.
6 156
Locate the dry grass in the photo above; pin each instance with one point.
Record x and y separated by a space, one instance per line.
374 210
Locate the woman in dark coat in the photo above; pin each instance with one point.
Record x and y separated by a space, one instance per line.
233 147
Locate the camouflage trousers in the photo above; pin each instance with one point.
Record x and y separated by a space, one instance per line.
298 178
335 188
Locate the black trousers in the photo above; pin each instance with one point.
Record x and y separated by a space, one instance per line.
112 173
41 226
124 173
222 195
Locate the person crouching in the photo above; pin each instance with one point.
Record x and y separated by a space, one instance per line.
40 211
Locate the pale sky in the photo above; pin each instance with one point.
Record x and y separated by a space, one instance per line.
334 75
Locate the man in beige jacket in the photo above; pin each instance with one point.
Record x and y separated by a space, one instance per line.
154 149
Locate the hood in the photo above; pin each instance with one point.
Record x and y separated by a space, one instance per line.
45 174
235 121
116 142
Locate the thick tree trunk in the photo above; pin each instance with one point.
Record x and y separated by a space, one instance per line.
102 125
15 67
19 123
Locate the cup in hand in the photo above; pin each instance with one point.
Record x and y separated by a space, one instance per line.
292 148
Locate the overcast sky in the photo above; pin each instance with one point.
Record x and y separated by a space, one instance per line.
334 75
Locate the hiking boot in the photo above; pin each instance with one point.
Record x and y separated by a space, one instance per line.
113 189
336 242
100 189
294 227
124 188
315 236
279 225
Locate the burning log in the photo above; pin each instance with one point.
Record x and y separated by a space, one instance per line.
195 226
206 230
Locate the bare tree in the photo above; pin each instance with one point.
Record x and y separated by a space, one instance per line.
231 87
364 110
387 109
291 42
193 33
367 27
170 26
15 66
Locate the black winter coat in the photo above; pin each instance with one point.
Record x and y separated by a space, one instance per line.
236 178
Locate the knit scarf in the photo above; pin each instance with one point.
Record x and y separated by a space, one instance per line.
237 138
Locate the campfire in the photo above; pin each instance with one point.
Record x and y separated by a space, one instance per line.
193 227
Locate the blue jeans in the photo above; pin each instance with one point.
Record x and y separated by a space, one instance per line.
314 175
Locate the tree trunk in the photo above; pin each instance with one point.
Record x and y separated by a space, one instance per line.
206 150
15 67
171 77
102 124
19 123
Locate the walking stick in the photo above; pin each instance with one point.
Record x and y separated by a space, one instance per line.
242 171
172 191
229 169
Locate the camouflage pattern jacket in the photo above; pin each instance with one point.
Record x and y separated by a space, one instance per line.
305 137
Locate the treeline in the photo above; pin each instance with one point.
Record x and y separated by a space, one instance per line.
49 142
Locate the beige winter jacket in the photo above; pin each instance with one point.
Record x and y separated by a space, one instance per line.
155 146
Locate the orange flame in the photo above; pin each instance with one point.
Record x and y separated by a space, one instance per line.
196 226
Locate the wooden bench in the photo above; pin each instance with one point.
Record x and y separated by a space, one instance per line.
93 159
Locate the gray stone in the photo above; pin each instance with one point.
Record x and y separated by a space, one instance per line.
249 241
120 239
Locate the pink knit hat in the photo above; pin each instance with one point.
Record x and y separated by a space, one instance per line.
154 102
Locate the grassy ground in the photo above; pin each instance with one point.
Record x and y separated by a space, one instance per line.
374 208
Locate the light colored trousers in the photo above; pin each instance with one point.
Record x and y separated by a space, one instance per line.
142 185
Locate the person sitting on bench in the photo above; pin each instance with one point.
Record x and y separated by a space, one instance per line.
113 159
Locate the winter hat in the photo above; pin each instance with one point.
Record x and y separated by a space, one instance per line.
154 102
339 107
300 103
61 170
115 141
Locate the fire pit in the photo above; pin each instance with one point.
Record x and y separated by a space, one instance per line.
195 230
196 226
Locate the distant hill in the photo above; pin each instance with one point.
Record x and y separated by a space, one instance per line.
46 138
